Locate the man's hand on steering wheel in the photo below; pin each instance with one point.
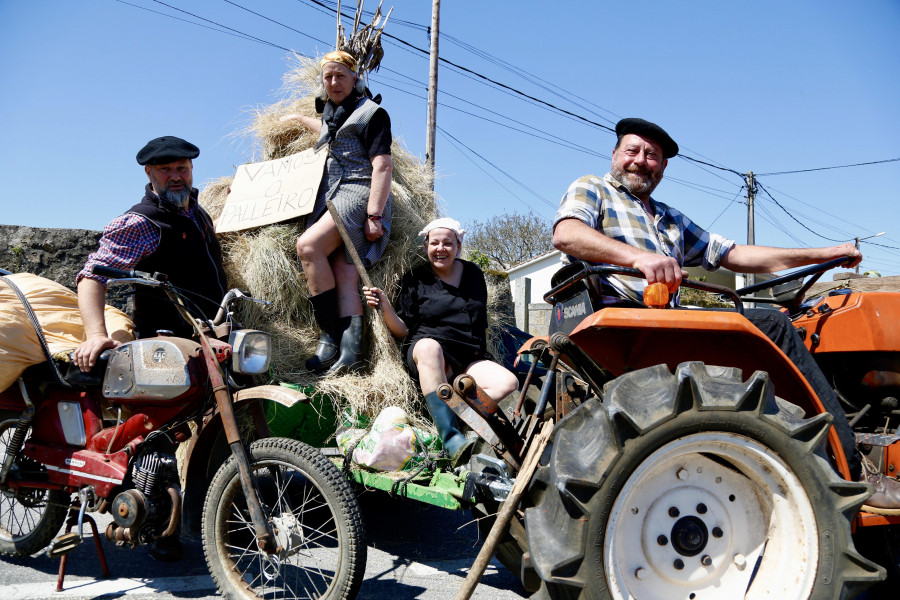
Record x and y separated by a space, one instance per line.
854 256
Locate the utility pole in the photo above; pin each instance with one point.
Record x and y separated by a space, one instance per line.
866 238
751 236
432 91
337 42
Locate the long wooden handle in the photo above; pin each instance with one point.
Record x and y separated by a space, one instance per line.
504 516
348 244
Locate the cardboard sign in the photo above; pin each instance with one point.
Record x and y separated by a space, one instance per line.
272 191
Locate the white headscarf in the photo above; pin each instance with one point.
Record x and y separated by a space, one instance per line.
445 223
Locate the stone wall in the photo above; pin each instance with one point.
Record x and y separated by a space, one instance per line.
56 254
59 254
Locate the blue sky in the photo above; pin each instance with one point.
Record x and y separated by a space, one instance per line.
758 86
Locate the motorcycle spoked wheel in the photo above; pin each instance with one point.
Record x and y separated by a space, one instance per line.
316 518
696 486
29 518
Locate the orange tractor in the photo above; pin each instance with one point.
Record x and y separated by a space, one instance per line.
692 460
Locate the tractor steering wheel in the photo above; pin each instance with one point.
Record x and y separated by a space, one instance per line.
790 290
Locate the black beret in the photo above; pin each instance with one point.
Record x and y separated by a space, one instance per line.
649 130
166 149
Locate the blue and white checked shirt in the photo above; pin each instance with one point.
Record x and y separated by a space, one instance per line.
606 205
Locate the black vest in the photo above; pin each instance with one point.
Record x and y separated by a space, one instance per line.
189 253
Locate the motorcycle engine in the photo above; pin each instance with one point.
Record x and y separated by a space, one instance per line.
144 512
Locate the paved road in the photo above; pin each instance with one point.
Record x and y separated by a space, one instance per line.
415 551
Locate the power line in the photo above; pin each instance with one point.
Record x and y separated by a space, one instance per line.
842 219
726 208
260 40
502 87
425 52
770 218
702 162
483 170
516 181
777 203
315 39
558 141
239 35
723 194
874 162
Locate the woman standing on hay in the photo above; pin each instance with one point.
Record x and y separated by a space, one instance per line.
442 315
357 180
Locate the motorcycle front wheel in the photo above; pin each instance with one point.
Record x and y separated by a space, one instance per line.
314 514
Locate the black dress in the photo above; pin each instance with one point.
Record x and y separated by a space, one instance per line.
455 317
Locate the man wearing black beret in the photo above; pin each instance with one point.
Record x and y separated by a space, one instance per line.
614 220
167 232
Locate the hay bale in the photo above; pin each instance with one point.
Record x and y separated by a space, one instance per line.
264 261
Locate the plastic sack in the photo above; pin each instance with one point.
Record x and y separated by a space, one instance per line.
56 309
391 444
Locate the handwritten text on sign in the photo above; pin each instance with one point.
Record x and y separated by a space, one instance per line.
272 191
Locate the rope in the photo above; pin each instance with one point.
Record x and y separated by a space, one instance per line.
398 488
37 329
347 465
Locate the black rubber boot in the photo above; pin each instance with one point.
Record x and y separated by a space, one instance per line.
350 360
455 443
325 311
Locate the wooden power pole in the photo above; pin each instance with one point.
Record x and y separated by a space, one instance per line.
751 235
432 91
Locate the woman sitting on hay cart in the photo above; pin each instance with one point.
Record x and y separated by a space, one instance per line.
357 180
441 314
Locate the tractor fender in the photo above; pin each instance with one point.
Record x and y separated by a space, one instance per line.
628 339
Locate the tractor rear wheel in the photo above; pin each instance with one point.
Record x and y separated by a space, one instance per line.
693 485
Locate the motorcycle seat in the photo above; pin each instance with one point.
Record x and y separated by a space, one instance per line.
43 372
93 378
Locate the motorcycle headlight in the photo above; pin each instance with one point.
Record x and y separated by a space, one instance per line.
250 351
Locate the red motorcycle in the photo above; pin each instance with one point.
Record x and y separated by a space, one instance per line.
277 518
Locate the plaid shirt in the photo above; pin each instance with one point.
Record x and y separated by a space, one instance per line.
605 205
125 241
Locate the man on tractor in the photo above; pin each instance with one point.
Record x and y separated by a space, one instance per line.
614 220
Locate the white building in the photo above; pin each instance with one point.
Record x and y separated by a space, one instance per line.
530 280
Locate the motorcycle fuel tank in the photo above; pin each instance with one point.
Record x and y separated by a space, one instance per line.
148 369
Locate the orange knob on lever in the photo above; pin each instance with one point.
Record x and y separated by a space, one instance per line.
656 295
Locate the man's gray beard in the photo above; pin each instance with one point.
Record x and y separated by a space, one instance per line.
176 199
634 188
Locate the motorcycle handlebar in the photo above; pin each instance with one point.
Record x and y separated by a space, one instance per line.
234 294
112 272
160 279
126 276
